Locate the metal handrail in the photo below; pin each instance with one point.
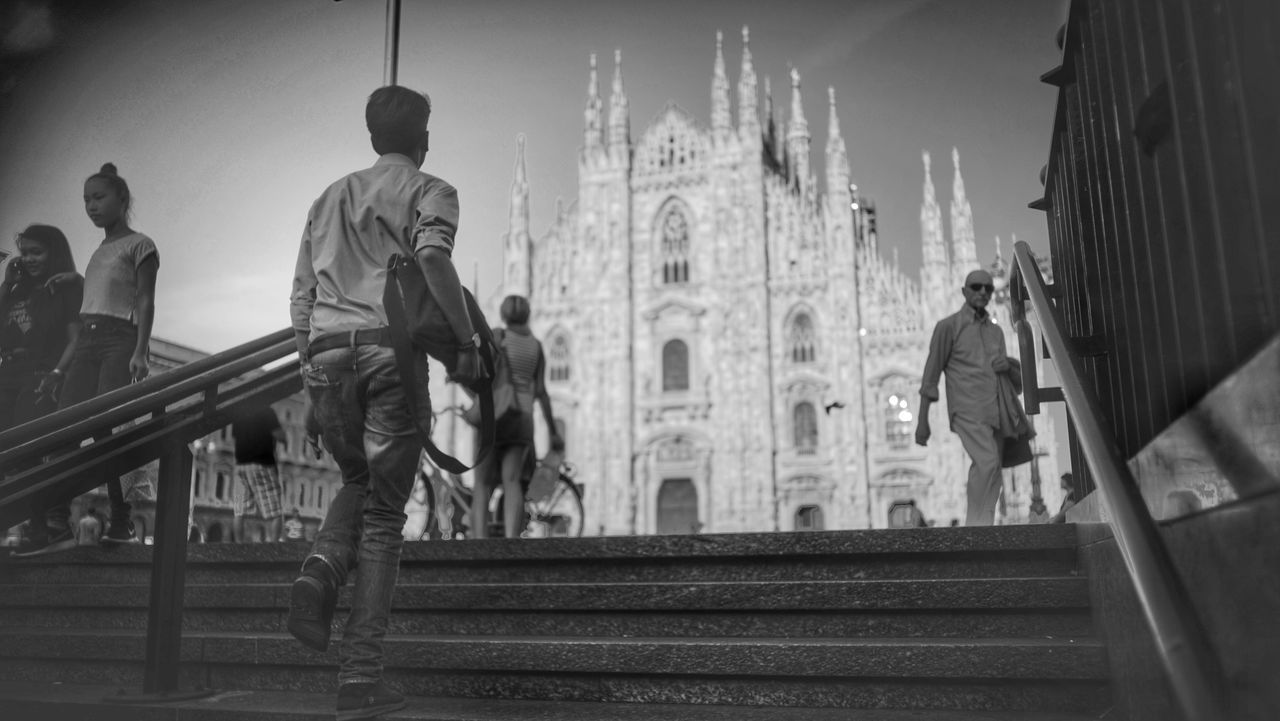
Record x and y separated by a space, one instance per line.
1189 663
167 411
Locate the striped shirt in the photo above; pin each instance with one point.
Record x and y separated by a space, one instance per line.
523 351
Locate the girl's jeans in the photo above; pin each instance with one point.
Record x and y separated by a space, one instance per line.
367 426
101 364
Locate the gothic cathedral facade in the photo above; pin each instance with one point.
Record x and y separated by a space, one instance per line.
728 350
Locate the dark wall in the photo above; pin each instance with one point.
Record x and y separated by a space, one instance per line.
1163 199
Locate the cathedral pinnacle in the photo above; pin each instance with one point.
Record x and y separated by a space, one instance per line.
964 253
748 104
593 133
837 155
721 122
798 138
619 119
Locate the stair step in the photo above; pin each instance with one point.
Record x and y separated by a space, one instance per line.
1047 623
73 701
1019 658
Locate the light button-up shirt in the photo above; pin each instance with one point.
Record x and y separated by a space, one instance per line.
964 345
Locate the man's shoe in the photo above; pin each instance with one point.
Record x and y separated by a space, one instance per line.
58 540
366 700
311 605
120 532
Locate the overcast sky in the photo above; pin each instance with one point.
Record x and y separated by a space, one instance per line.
228 117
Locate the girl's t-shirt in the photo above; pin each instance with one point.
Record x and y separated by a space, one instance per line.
34 319
111 278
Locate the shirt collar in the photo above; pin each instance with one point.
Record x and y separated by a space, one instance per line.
395 159
974 315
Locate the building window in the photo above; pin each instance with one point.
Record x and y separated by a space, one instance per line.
809 518
675 366
675 247
800 338
898 418
558 359
805 423
220 487
198 484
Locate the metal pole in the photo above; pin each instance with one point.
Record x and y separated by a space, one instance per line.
393 42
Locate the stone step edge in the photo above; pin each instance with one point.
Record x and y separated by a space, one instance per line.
46 699
988 658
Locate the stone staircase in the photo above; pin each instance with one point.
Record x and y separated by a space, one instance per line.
945 623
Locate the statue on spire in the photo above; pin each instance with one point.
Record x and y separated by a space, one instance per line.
748 103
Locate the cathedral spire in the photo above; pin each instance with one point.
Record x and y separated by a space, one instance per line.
837 154
748 103
721 122
935 276
771 126
593 132
964 251
515 249
797 137
619 119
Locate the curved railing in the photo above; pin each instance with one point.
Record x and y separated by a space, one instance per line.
48 458
1185 653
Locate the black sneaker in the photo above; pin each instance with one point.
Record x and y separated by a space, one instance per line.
366 700
59 540
120 532
311 604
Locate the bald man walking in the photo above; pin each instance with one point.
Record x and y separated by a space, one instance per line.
970 349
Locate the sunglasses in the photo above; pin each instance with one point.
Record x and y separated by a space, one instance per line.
979 287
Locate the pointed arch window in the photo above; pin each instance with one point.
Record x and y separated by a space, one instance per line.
804 421
675 366
801 339
558 359
675 247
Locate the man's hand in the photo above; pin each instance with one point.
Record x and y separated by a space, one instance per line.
469 368
922 432
311 423
1000 365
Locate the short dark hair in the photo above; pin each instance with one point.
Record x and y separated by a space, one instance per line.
515 310
397 117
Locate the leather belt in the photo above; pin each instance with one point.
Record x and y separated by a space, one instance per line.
350 339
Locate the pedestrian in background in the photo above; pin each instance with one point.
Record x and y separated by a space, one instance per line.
257 431
40 316
117 315
970 349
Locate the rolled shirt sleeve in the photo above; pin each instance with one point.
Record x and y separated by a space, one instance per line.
437 218
939 352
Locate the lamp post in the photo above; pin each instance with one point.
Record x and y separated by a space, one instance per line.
392 45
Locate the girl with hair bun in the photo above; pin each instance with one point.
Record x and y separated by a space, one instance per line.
116 316
39 322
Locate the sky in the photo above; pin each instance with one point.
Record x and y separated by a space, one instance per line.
228 117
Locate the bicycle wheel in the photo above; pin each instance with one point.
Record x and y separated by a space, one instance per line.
558 515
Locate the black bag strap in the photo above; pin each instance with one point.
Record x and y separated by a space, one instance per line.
393 300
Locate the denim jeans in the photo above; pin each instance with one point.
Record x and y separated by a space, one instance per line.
101 364
367 426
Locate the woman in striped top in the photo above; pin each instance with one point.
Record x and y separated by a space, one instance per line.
513 453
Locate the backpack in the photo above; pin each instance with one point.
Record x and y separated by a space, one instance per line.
505 406
417 324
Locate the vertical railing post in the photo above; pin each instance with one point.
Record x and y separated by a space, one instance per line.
168 569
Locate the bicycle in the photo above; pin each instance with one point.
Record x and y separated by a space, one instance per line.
551 510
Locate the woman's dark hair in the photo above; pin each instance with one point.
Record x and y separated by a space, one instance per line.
515 310
397 117
109 174
55 243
